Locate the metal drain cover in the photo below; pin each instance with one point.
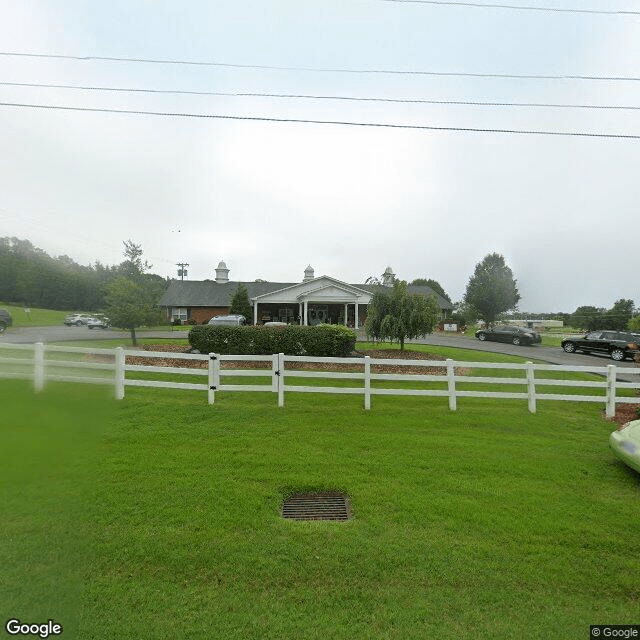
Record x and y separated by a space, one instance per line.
330 505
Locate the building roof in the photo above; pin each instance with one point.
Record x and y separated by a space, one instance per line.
209 293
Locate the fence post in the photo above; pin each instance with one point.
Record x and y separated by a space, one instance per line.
451 379
531 387
367 382
213 378
274 373
38 366
280 374
611 390
119 373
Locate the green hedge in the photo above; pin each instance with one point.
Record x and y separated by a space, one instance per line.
321 340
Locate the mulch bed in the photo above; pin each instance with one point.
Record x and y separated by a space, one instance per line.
395 354
625 412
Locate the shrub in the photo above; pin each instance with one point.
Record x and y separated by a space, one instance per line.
321 340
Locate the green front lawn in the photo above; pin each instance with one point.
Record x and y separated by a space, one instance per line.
159 516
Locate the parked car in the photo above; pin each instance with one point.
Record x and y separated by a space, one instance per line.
275 324
98 323
77 319
228 321
5 319
618 344
508 333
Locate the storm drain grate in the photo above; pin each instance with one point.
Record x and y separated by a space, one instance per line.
317 506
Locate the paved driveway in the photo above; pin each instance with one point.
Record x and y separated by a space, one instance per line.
553 355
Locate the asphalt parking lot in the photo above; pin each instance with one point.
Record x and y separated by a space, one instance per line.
30 335
553 355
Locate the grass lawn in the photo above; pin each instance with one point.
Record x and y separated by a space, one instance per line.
36 317
159 516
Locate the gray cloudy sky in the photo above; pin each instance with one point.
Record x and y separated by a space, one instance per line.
270 198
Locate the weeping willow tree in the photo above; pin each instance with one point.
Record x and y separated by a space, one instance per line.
396 316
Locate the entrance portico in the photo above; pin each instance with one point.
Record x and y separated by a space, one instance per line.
321 300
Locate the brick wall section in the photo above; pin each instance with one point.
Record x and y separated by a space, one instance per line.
202 315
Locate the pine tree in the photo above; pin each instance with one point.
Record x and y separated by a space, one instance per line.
240 304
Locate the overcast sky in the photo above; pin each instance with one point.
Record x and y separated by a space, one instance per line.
272 197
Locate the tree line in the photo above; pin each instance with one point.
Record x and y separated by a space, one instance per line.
30 276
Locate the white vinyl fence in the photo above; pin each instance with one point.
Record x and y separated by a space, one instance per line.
530 382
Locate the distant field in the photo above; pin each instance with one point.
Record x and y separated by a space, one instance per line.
159 516
36 317
50 317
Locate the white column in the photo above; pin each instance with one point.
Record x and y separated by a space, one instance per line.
345 314
300 312
255 312
306 312
356 316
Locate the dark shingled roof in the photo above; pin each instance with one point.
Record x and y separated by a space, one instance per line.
209 293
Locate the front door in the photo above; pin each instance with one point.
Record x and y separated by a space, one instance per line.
318 314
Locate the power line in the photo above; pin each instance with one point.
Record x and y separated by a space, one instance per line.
457 74
320 97
478 5
381 125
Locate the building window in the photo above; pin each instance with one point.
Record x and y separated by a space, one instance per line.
179 313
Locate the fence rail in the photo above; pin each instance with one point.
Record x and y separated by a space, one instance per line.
109 366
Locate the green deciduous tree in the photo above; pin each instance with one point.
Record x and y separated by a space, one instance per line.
396 316
133 266
619 315
587 317
240 303
131 305
492 289
132 298
634 324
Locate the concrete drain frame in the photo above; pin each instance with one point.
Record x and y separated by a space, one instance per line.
319 505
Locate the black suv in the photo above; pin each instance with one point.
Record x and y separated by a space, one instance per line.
506 333
5 320
618 344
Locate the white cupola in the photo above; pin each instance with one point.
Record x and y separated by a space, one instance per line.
222 273
308 274
388 277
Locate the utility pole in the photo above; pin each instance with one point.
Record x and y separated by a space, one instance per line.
182 272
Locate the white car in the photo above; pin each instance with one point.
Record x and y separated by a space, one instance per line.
236 320
77 319
98 323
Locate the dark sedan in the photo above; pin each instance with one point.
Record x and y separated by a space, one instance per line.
617 344
506 333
